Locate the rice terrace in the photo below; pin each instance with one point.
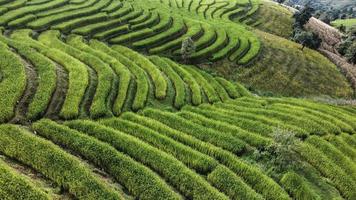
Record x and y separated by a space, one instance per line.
177 99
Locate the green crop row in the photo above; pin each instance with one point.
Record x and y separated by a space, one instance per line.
15 187
77 72
51 161
189 183
249 173
156 76
178 83
298 187
13 82
46 78
191 158
139 180
225 141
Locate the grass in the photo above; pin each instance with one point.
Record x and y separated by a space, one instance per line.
349 23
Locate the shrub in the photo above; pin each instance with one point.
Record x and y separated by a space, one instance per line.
139 180
57 165
229 87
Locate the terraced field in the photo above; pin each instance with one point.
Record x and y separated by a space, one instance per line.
143 26
96 105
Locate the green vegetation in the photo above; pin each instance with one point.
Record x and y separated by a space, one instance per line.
348 23
112 99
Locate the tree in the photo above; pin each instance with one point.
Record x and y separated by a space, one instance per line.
344 46
302 17
351 53
187 49
307 39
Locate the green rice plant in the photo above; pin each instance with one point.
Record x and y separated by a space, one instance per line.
113 31
229 87
98 107
324 125
232 185
243 91
220 43
22 11
335 112
188 156
67 7
297 123
232 45
343 146
20 22
15 187
189 80
193 31
13 83
165 23
152 21
342 181
187 182
138 179
219 88
46 78
142 88
54 163
77 73
249 173
205 134
178 83
101 51
255 47
334 155
95 28
61 17
252 139
155 74
250 125
298 187
14 4
208 89
114 6
178 28
79 22
341 126
244 47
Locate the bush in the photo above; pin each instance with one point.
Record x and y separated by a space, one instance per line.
229 87
51 161
139 180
